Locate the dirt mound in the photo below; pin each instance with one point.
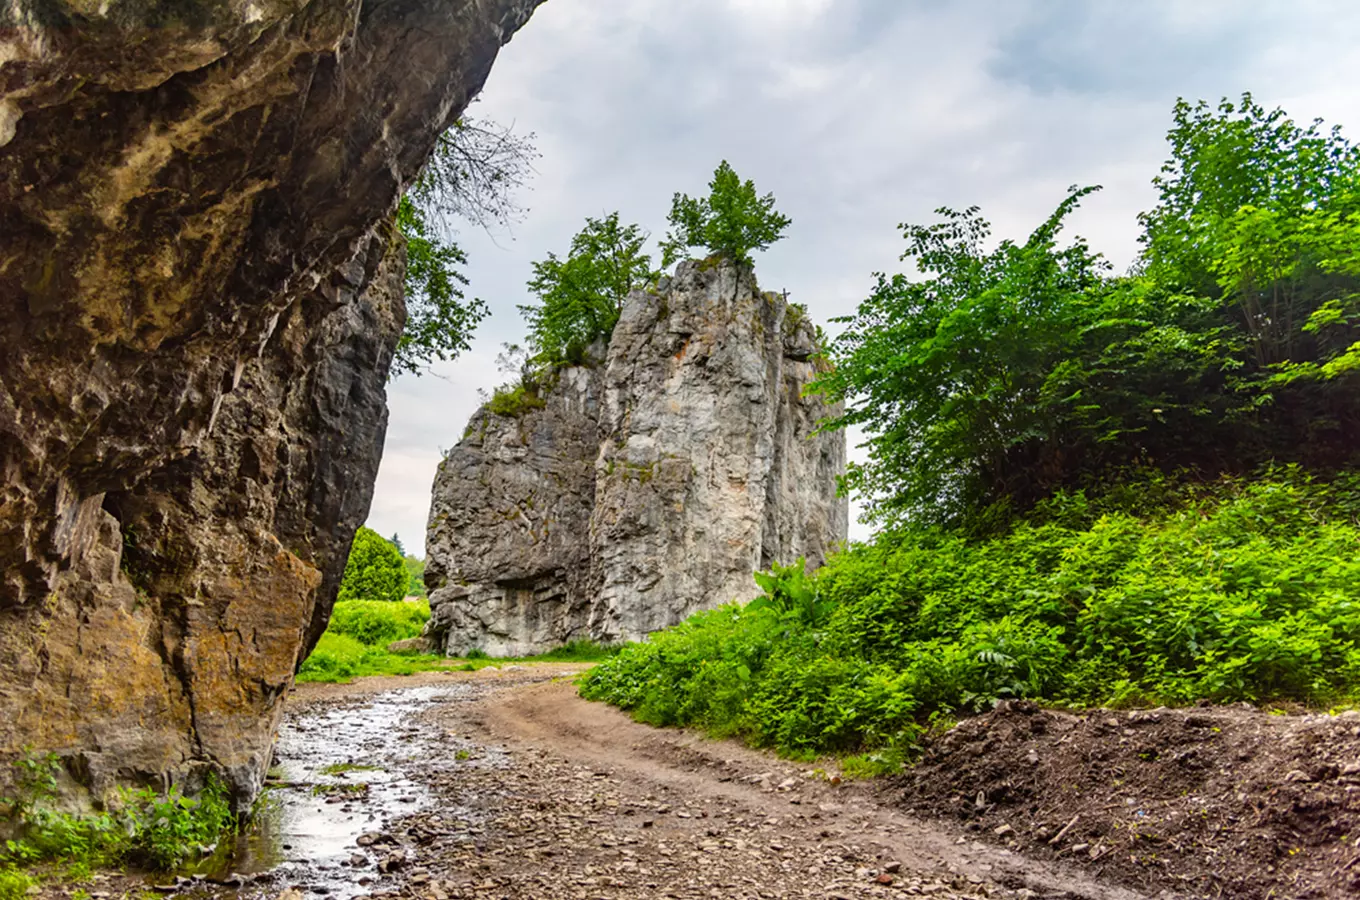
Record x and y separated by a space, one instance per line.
1210 802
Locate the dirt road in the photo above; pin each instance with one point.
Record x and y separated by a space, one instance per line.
504 784
535 793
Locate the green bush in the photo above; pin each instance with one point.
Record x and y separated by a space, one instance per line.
379 623
374 570
339 658
515 400
14 885
142 828
1238 591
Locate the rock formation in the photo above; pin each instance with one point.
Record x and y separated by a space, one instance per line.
644 487
199 298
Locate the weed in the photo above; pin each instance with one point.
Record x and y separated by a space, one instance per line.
15 885
143 828
345 767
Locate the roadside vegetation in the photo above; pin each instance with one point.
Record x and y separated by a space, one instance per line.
144 829
355 645
1092 489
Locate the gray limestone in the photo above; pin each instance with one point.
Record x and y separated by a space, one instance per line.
647 487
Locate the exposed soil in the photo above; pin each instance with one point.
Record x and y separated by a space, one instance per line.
1215 802
505 784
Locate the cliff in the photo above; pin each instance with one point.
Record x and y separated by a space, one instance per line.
645 487
199 298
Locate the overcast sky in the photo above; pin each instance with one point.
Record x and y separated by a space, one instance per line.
858 115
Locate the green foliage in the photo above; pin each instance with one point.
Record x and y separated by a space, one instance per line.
15 885
143 828
415 576
995 377
731 221
472 175
439 320
515 399
1232 591
374 570
339 658
580 297
377 622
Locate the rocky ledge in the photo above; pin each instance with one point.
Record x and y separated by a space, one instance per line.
199 297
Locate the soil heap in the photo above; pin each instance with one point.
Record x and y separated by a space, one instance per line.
200 292
641 488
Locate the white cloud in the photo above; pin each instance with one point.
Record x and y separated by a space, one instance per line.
858 115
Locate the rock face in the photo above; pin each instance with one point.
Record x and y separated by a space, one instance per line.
644 488
199 298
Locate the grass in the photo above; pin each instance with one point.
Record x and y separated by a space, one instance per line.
355 646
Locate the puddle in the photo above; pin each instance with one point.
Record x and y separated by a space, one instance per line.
342 771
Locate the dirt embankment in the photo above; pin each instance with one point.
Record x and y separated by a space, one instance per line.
1212 802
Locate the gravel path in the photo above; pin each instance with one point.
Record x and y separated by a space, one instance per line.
584 803
505 785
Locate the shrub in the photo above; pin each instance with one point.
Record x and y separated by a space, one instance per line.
515 400
143 828
378 623
1239 591
375 569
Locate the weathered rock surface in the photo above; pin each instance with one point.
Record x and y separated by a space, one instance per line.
198 304
645 488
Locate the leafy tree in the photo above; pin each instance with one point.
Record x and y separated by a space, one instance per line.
948 373
439 320
997 377
472 175
580 297
731 221
374 570
1263 212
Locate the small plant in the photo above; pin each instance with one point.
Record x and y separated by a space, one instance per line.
143 828
15 885
345 768
730 222
515 400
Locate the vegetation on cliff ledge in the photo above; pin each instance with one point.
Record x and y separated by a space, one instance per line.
1094 489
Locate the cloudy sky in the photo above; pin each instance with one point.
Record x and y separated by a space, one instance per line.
858 115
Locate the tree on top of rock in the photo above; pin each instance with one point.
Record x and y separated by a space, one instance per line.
374 570
580 297
731 221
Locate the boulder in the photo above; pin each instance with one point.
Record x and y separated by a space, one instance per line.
645 486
